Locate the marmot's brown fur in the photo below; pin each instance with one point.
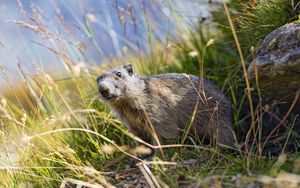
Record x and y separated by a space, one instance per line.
168 103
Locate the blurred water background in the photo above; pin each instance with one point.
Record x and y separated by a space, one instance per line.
95 30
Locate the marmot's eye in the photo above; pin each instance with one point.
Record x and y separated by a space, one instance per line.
118 74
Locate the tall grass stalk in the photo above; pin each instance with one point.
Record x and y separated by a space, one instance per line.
248 88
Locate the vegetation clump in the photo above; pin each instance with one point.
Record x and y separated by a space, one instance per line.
63 134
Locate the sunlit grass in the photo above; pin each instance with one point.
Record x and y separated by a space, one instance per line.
58 131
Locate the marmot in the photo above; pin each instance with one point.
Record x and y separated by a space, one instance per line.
167 103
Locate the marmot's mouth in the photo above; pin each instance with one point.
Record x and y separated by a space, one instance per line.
111 97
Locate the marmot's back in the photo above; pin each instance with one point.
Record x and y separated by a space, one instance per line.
172 100
169 103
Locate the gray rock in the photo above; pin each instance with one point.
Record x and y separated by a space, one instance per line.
278 64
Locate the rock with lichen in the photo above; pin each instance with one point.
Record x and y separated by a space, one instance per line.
277 65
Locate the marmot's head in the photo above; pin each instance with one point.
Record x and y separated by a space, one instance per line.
118 84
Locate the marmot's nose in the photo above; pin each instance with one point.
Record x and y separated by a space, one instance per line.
104 91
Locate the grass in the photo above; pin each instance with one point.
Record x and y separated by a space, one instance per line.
57 132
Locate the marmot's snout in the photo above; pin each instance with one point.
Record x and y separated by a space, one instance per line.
104 91
105 88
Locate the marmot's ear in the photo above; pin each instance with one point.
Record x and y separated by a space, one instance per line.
129 69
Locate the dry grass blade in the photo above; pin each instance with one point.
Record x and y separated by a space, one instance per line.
248 88
297 95
152 181
79 183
